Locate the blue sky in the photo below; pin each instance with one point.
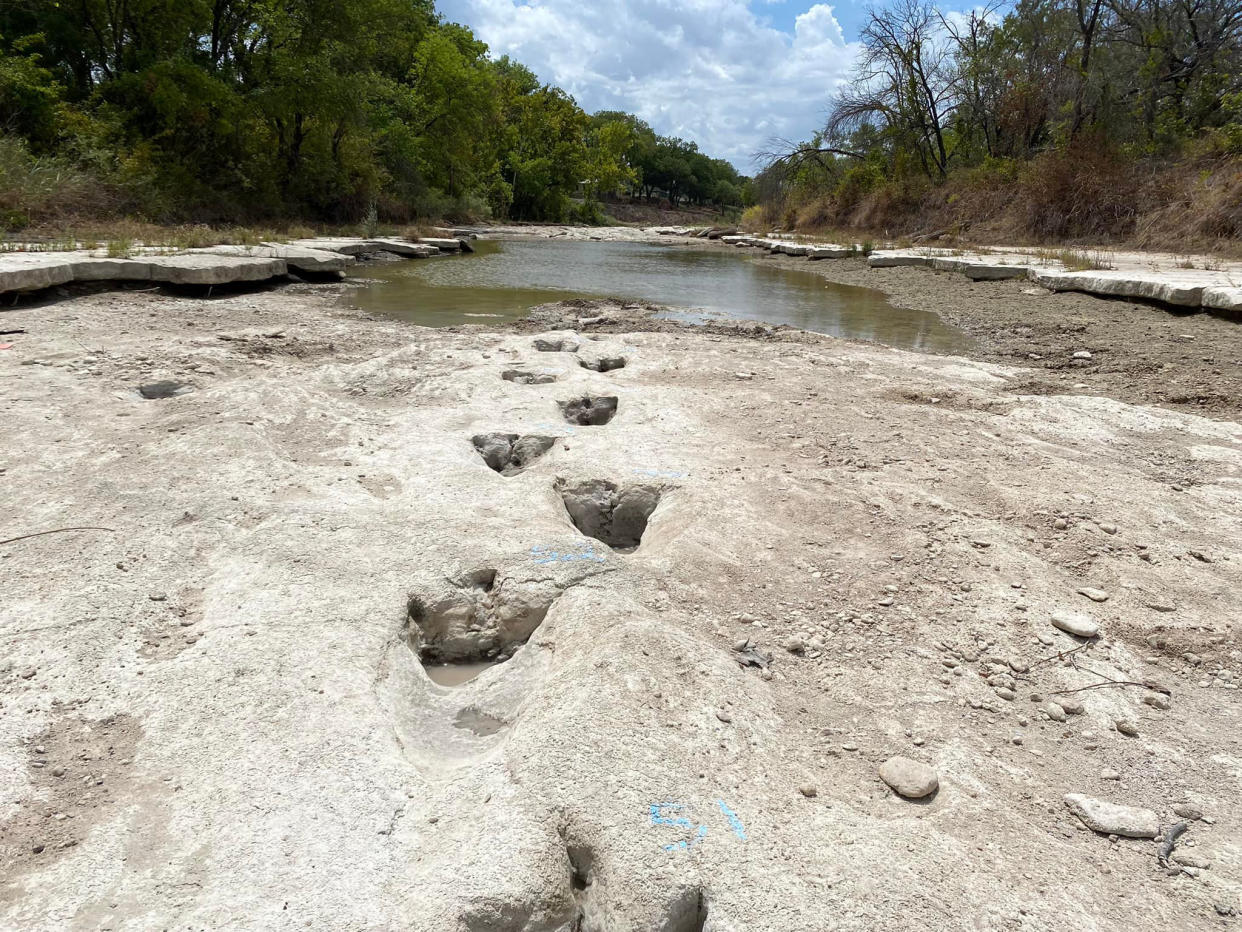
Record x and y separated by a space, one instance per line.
728 74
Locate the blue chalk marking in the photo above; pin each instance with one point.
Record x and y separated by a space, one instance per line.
658 474
659 818
552 428
546 555
734 822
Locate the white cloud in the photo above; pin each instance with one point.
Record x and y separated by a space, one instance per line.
707 70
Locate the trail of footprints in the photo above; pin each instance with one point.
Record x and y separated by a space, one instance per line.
485 616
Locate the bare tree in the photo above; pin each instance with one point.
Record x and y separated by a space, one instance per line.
903 81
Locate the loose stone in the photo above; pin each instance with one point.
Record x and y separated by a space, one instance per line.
1071 705
1190 859
1076 623
1113 819
1095 595
909 778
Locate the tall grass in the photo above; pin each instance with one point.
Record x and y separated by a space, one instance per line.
34 189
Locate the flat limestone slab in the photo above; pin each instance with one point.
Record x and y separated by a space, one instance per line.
829 252
1122 283
1181 281
207 269
302 258
92 269
32 271
1223 299
444 245
981 268
213 265
891 259
354 246
35 271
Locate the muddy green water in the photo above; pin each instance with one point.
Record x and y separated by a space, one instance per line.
504 279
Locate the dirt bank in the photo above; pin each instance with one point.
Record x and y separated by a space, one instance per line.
808 557
1140 353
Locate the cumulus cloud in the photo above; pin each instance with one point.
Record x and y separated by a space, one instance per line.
712 71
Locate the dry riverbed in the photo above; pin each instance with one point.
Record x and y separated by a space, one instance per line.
737 572
1139 352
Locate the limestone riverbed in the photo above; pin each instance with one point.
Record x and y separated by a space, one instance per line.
784 580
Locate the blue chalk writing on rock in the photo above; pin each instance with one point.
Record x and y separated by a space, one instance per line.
668 815
658 817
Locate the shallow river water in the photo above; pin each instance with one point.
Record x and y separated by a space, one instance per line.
504 279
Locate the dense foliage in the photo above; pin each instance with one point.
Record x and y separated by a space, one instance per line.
1059 101
334 110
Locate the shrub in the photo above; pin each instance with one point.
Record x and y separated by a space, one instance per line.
33 189
1086 189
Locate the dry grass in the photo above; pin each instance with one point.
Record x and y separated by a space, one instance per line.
1081 196
125 236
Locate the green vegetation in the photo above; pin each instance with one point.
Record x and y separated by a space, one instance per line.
270 111
1061 119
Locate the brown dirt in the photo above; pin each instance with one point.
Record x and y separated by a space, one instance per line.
78 771
1141 353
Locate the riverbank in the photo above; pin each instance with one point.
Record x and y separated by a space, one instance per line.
1141 352
854 554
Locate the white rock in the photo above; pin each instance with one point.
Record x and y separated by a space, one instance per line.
1076 623
1190 859
909 778
1095 595
1113 819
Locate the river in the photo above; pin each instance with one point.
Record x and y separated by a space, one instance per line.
504 279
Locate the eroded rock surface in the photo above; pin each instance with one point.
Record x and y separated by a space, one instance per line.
685 736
